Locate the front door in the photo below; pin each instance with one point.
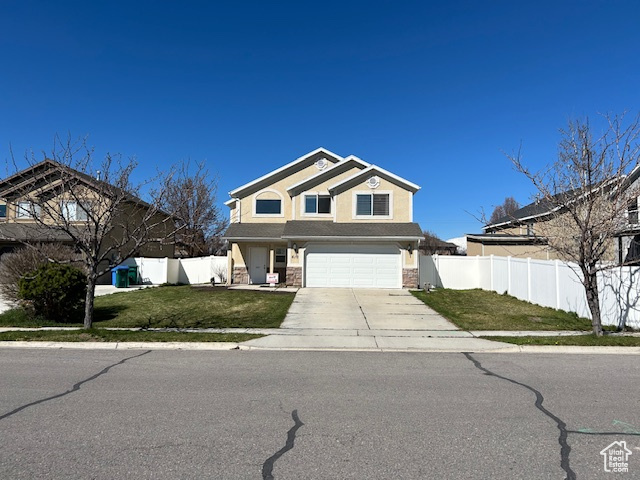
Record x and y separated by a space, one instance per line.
258 265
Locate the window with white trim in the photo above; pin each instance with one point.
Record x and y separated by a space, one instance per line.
268 207
317 204
27 210
372 204
281 255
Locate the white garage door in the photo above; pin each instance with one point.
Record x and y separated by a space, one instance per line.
353 266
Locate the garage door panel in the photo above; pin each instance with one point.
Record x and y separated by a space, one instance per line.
356 266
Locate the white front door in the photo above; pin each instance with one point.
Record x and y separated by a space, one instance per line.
257 265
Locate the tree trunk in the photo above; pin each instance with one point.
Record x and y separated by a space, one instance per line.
88 303
593 301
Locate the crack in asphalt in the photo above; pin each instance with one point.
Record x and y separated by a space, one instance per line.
565 449
75 388
267 466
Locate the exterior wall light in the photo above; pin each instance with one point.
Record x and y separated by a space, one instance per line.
410 248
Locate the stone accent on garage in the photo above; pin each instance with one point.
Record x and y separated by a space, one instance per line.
240 275
294 276
410 277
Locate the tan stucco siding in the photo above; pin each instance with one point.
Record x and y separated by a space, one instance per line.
400 203
277 189
540 252
321 189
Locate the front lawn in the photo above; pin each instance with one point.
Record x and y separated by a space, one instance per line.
102 335
573 340
178 307
484 310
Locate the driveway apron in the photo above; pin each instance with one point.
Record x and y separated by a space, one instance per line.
362 309
368 320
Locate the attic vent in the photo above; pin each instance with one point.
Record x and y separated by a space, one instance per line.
321 163
373 182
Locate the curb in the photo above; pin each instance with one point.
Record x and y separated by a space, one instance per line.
124 345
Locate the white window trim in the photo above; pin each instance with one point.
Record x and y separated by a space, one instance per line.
303 212
354 202
267 215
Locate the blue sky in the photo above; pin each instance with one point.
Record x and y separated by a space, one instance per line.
432 91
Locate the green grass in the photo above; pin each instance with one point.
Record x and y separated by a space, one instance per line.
178 307
577 340
101 335
483 310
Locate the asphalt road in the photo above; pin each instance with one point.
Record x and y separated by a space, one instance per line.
314 415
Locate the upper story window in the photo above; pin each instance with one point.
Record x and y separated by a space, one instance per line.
530 231
268 203
317 204
3 211
372 204
27 210
632 211
72 211
268 207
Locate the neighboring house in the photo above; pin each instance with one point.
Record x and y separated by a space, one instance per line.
523 233
22 196
325 221
515 235
430 245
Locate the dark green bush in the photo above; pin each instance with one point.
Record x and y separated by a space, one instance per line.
56 292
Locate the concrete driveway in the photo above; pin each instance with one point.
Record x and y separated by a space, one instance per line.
362 309
369 320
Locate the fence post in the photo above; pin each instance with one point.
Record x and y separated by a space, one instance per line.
557 262
528 279
509 275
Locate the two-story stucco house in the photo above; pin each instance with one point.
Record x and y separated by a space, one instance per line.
325 221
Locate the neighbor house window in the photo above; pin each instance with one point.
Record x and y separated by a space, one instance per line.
268 207
317 204
376 204
72 211
281 255
27 209
632 210
530 229
3 211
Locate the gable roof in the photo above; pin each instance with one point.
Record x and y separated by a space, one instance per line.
49 171
329 172
289 166
373 169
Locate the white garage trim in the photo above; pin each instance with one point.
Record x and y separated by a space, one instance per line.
353 265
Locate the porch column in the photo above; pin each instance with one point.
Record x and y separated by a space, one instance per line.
272 254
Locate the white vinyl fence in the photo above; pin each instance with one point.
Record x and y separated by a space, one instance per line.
156 271
550 283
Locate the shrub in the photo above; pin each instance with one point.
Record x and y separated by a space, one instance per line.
56 292
27 259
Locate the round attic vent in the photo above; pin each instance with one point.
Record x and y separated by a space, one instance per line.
321 163
373 182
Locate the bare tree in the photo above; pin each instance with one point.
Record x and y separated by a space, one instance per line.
506 209
192 200
586 192
92 205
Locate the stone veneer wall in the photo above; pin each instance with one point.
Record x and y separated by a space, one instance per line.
410 278
294 276
240 275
